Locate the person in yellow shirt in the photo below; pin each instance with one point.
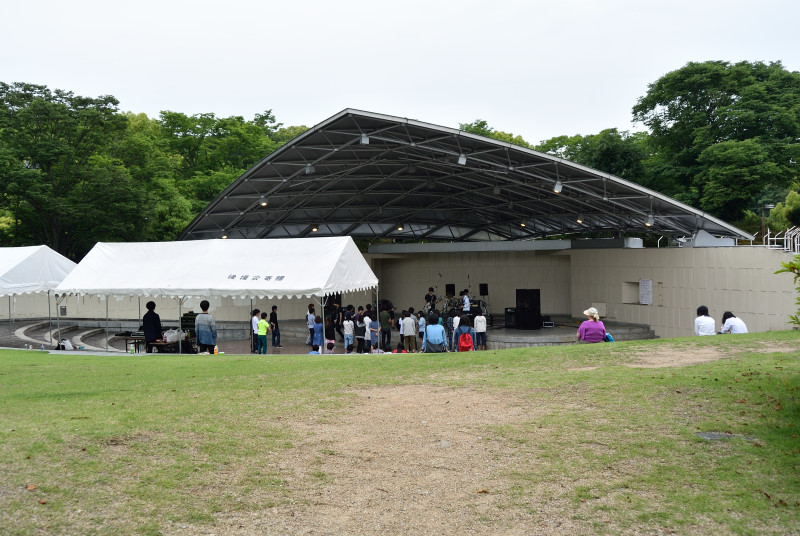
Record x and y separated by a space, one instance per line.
263 329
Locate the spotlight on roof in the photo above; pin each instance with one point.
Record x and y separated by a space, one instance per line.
262 201
315 228
579 219
522 224
310 169
224 235
400 226
462 159
557 187
364 139
650 220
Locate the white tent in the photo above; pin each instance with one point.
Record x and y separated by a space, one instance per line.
30 269
277 268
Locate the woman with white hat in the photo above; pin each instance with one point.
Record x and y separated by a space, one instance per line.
592 329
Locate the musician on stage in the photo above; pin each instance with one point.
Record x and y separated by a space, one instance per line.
430 300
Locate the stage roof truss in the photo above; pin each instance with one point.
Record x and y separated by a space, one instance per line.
363 174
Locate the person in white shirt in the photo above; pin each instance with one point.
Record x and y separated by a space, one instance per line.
349 329
704 324
731 324
409 332
480 330
254 322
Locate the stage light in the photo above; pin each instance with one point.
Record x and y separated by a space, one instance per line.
310 169
650 220
579 219
522 224
557 187
462 159
263 201
400 226
315 228
364 139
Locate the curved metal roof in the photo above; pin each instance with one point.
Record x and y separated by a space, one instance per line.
363 174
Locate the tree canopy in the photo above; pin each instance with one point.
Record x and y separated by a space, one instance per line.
75 170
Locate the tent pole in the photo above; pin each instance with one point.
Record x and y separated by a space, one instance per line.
180 327
9 319
49 315
140 306
106 323
58 323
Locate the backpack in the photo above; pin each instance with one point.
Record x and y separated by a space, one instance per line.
465 342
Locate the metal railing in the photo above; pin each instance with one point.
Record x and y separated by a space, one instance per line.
789 242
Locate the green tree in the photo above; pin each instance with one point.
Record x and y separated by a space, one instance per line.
619 153
57 178
722 133
482 128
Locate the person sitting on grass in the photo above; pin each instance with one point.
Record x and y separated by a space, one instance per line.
401 349
314 350
329 348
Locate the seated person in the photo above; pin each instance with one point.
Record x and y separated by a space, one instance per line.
731 324
704 324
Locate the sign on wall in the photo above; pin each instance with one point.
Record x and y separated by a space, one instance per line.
646 291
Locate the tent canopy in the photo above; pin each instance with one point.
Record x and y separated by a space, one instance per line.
31 269
222 268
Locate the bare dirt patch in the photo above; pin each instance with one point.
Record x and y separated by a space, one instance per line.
674 357
403 460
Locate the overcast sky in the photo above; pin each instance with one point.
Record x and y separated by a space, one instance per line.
536 69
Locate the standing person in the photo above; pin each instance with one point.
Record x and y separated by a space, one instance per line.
254 323
592 329
336 316
318 335
435 339
430 301
263 328
310 320
360 331
480 330
465 303
330 333
348 326
409 332
386 326
731 324
151 325
273 324
450 328
374 333
205 329
464 336
422 322
704 324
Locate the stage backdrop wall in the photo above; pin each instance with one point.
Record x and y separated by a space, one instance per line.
739 279
405 278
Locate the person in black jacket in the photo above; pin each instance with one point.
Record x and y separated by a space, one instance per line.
151 325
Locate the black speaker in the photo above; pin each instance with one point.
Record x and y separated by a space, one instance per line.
529 299
450 289
484 289
528 320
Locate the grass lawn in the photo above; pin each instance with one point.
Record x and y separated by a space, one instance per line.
166 444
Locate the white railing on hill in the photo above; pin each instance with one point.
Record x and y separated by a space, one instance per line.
788 241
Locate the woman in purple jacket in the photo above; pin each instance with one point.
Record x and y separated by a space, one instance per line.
592 329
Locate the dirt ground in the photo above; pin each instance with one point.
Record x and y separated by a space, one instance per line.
414 460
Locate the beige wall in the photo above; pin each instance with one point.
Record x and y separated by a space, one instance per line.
738 279
405 279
